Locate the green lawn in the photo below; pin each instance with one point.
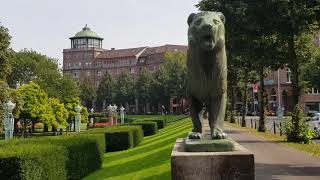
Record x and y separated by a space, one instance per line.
149 160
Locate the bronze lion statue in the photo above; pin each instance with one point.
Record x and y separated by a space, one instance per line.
207 71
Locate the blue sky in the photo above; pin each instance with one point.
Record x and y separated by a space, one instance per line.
45 26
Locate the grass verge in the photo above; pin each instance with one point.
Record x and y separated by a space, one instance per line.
313 149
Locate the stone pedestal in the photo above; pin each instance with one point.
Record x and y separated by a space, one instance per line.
231 165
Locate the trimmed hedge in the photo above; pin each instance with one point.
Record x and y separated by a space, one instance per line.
83 153
33 161
160 122
149 128
120 138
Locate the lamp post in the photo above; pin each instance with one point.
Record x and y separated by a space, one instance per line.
78 118
279 109
8 119
109 110
122 114
114 110
91 118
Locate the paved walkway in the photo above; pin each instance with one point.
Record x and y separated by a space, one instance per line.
274 161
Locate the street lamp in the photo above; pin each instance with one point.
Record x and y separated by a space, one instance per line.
122 114
78 118
8 119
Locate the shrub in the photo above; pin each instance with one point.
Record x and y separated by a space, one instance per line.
33 161
160 122
297 130
149 128
83 152
122 137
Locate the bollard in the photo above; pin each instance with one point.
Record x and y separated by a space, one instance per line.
280 129
255 124
251 124
274 127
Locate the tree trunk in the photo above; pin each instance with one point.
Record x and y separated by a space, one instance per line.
294 67
45 128
232 119
23 127
33 125
262 127
244 101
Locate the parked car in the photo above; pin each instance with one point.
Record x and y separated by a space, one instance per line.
311 113
314 122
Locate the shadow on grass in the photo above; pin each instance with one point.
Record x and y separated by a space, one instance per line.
146 147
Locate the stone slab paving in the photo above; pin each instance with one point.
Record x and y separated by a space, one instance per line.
274 161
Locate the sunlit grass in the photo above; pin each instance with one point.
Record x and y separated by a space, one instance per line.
149 160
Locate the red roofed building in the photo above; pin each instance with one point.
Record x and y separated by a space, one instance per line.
86 59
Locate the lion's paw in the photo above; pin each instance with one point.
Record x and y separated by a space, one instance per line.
194 135
218 134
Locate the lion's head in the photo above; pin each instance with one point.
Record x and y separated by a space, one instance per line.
206 30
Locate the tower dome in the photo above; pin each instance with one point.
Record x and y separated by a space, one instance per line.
86 39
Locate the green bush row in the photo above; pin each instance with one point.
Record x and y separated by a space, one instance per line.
119 138
75 156
160 122
36 162
149 128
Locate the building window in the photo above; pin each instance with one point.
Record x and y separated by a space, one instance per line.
98 63
76 74
88 73
98 73
289 74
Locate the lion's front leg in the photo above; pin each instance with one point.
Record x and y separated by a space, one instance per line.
195 108
217 109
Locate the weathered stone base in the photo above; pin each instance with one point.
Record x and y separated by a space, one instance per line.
231 165
209 145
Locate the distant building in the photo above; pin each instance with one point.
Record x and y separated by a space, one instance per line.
310 99
86 59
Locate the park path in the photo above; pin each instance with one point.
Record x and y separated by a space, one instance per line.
274 161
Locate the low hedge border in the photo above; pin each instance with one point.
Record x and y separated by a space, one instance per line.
160 122
149 128
33 161
83 153
118 138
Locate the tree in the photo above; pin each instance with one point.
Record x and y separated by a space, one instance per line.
106 90
88 93
143 87
31 66
125 88
294 19
68 88
5 52
176 67
160 89
36 106
60 113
